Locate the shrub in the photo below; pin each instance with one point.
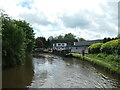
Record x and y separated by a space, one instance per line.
111 47
95 48
101 55
110 58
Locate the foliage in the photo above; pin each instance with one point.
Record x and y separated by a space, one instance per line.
29 34
113 68
69 36
17 40
50 38
82 39
59 37
108 39
66 36
13 43
95 48
41 42
111 47
113 59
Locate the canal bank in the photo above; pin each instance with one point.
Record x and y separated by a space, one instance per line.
105 66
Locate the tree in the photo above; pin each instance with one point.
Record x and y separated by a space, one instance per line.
41 42
30 41
17 41
38 43
51 38
69 36
13 45
59 37
106 39
82 39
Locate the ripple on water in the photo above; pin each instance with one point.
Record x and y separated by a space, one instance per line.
58 72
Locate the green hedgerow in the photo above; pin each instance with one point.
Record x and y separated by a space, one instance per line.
95 48
111 47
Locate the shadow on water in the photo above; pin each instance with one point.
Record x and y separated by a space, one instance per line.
18 77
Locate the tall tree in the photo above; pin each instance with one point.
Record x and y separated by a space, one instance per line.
69 36
38 43
17 41
13 43
30 41
41 42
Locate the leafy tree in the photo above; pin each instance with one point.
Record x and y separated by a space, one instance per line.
17 41
13 44
59 37
41 42
107 39
82 39
38 43
69 36
30 41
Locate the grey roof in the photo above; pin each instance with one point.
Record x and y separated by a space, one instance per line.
64 41
87 43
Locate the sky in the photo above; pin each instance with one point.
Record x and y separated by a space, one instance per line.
88 19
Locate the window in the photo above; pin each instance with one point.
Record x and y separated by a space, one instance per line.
58 44
63 44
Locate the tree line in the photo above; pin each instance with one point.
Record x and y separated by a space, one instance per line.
42 42
17 41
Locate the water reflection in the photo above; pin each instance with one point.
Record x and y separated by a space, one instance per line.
18 77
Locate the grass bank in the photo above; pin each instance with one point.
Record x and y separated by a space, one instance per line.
112 66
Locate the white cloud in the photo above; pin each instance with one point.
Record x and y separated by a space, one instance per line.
90 19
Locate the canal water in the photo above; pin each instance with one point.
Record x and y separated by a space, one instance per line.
51 71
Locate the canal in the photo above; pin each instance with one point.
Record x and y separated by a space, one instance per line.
51 71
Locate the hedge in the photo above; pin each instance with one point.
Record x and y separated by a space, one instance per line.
95 48
111 47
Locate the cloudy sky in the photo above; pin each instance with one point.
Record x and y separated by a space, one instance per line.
89 19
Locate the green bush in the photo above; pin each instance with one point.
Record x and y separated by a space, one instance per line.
110 58
95 48
101 55
111 47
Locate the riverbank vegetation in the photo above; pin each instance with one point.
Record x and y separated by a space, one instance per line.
95 61
17 41
104 54
108 52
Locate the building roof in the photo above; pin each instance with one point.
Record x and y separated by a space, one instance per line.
87 43
64 41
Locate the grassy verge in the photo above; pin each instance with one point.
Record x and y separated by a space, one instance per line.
101 62
111 59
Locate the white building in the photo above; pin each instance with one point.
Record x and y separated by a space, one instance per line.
62 44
